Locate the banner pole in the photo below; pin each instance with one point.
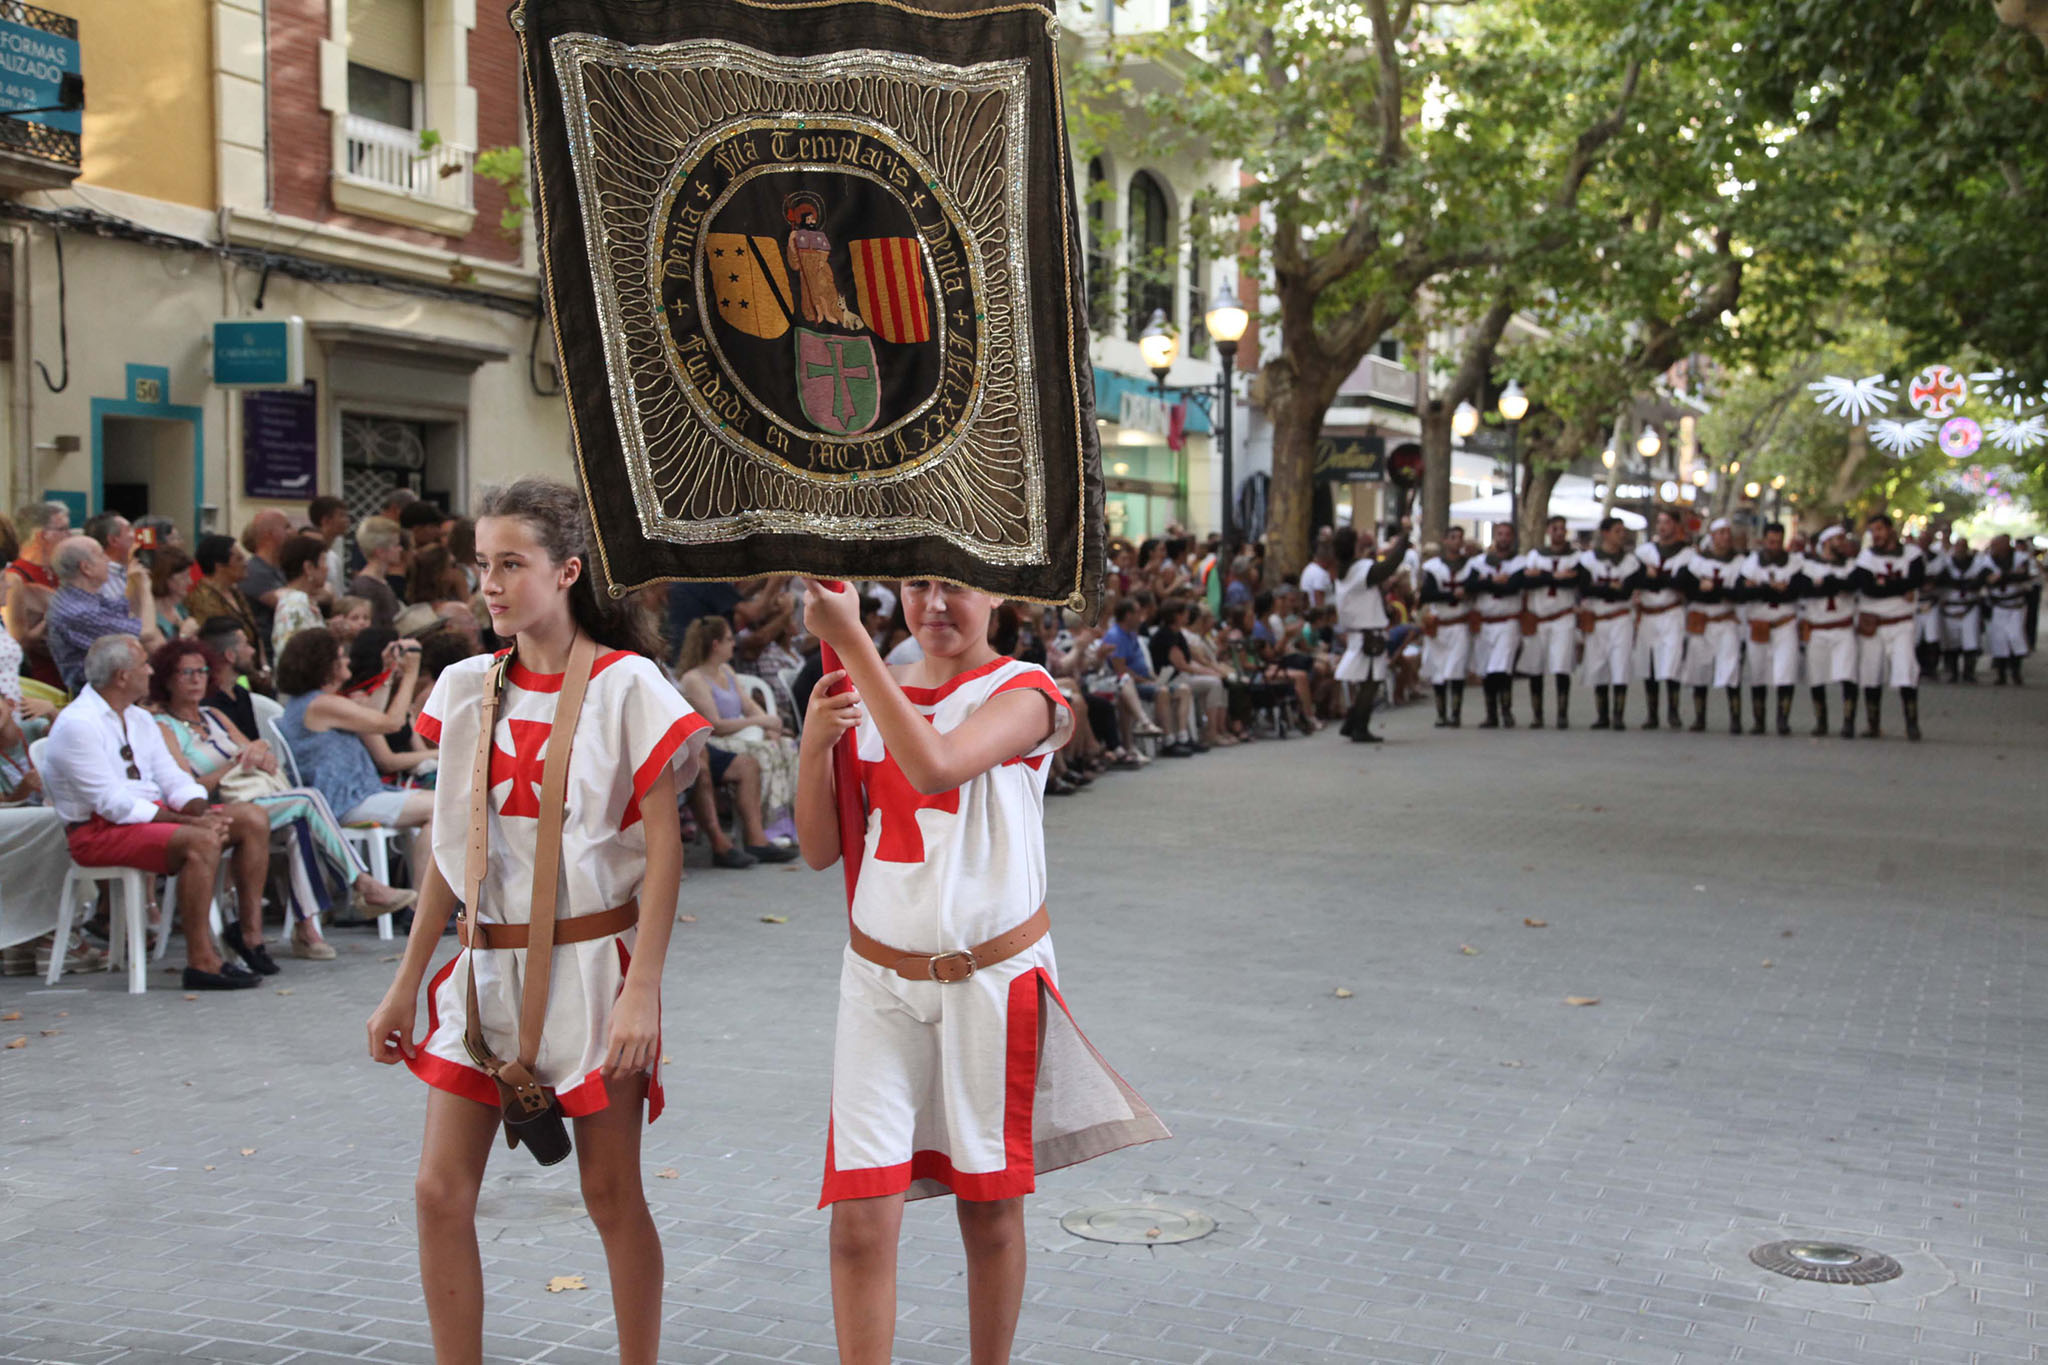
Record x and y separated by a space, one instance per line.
853 821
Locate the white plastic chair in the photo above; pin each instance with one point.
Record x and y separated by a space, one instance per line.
757 687
787 677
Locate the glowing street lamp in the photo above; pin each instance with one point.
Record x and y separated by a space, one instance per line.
1514 406
1752 490
1649 443
1159 345
1465 420
1227 321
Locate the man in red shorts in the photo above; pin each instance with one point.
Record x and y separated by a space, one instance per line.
127 803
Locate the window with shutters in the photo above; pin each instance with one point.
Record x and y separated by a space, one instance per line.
401 148
1152 271
1101 273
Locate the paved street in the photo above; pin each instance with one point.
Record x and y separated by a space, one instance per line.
1811 964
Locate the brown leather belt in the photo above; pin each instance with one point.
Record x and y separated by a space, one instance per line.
574 929
1659 611
1831 625
1555 616
957 965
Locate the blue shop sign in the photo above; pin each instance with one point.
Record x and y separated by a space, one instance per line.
33 64
1110 388
259 355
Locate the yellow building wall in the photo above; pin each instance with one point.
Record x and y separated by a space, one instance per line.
148 67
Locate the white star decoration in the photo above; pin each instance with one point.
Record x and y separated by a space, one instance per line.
2018 436
1854 399
2005 388
1901 438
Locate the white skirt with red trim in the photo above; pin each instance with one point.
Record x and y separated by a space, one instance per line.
971 1088
582 988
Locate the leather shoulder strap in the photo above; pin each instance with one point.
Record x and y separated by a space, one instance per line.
476 857
547 853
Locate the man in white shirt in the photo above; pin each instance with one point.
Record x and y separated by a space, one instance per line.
125 802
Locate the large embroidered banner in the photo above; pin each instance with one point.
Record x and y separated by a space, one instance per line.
815 278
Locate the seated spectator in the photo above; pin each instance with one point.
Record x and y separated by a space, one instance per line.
30 710
740 727
1173 657
382 545
234 659
327 733
1171 699
19 784
263 577
170 584
1269 643
303 562
41 527
218 755
126 803
351 618
81 613
127 577
222 566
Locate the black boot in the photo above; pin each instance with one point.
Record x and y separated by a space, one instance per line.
1600 707
1929 656
1507 701
1909 702
1756 709
1970 665
1699 710
1443 718
1873 699
1651 699
1490 684
1358 725
1820 712
1785 709
1998 667
1735 711
2017 680
1458 704
1564 701
1621 705
1536 702
1848 710
1954 661
1670 703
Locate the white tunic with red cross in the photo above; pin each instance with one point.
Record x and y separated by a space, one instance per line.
969 1087
635 725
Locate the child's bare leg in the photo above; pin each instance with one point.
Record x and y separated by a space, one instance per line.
608 1160
993 1233
864 1237
452 1157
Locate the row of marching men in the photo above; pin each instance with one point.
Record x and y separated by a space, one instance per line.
1843 616
1976 602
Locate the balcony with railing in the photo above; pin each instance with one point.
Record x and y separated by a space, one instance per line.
383 172
42 95
1380 380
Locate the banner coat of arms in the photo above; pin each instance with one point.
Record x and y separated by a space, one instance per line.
815 277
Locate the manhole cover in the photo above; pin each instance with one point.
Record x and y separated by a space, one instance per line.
1139 1224
1827 1262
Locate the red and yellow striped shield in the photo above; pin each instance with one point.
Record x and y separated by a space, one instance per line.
888 272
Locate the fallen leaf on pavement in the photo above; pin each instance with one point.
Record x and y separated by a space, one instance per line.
1513 1064
1151 1232
1599 810
19 1042
63 1014
191 997
210 1168
686 919
1468 950
248 1151
10 1016
1343 992
1582 1000
561 1282
1786 934
1536 923
775 919
284 990
1699 888
667 1173
666 1059
1769 963
51 1032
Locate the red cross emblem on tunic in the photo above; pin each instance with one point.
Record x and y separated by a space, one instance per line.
1936 391
522 767
897 803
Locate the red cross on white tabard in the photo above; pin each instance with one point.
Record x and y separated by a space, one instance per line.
897 803
522 767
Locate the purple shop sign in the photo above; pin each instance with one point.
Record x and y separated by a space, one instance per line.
281 443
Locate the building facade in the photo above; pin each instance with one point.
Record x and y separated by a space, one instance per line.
244 162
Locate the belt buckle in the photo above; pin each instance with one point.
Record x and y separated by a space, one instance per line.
932 966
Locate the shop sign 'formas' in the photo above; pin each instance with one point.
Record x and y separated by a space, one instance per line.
815 276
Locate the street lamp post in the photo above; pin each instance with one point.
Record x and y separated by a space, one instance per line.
1227 320
1514 406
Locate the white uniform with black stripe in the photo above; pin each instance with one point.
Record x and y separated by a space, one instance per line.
1888 587
1550 581
2005 588
1962 602
1498 605
1609 585
1447 649
1713 658
1927 625
1770 591
1827 604
1660 612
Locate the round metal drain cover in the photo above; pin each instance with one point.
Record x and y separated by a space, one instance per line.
1826 1262
1139 1224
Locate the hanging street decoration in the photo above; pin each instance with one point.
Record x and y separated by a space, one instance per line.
1901 438
1937 391
1960 438
1855 399
2018 435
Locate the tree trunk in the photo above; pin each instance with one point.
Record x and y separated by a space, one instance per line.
1537 482
1837 497
1436 472
1297 426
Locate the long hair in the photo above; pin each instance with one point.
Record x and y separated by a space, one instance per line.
554 511
704 632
